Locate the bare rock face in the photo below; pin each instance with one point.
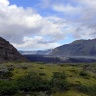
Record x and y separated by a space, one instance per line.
8 52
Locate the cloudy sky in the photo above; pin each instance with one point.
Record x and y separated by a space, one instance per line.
44 24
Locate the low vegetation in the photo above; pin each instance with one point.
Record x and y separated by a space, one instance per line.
32 79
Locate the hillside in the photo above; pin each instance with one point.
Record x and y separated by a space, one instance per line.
76 48
8 52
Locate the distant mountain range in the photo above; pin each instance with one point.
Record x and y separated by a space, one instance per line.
79 51
76 48
39 52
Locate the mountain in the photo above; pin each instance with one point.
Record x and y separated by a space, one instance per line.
76 48
8 52
39 52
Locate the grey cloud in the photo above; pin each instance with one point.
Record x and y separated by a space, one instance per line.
16 23
80 14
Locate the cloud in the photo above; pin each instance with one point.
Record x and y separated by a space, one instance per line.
16 23
67 9
87 20
36 43
26 28
4 2
81 15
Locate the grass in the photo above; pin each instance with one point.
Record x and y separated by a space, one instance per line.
69 93
76 74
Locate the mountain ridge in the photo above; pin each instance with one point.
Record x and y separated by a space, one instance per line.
76 48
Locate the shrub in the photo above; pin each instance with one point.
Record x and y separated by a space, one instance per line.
61 85
41 68
42 74
33 82
74 71
83 73
59 82
87 90
83 88
59 75
8 87
24 67
7 75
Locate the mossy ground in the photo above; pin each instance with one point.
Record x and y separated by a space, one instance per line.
72 72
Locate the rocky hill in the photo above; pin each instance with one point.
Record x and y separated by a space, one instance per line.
77 48
8 52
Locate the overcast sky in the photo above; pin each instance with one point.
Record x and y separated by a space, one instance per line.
45 24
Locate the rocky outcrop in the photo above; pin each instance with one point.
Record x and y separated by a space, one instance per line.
8 52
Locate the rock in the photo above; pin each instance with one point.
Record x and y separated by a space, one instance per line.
9 53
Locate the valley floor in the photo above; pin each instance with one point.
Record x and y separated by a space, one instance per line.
32 79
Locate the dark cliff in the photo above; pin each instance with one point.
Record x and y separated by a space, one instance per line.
8 52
